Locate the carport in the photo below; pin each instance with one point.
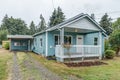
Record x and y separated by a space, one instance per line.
20 42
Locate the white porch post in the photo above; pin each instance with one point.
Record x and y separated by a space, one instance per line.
62 42
62 36
100 44
46 44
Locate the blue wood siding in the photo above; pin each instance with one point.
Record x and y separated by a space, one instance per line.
51 40
88 40
36 44
13 47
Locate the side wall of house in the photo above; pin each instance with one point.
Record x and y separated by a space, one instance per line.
37 47
89 39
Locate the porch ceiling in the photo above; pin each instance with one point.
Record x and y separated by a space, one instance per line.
78 30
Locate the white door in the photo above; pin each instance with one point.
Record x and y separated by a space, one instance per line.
79 42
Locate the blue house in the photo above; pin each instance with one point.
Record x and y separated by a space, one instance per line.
84 34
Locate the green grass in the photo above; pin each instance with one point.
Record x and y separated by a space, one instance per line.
102 72
5 56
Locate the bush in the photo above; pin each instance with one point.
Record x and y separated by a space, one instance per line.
109 54
7 45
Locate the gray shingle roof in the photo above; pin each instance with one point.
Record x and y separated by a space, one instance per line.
19 37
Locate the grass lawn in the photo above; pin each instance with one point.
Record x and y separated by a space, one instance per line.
5 56
102 72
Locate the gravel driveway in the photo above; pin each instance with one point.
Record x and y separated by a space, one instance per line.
30 64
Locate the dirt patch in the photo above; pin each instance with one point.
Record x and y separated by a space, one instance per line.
81 64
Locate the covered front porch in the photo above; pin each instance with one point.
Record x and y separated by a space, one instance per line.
84 44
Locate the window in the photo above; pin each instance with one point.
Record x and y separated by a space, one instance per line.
57 40
67 39
16 43
41 42
95 41
19 44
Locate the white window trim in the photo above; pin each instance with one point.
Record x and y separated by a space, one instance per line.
64 35
97 40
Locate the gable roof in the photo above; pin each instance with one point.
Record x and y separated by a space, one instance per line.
68 21
19 37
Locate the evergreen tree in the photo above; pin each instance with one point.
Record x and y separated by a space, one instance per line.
42 24
57 17
14 25
32 28
5 22
53 18
60 15
105 22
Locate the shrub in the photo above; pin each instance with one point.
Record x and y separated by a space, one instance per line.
7 45
109 54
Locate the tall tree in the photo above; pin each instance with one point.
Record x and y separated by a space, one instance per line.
14 25
57 17
105 22
42 24
5 22
116 24
3 35
53 18
60 15
32 28
114 40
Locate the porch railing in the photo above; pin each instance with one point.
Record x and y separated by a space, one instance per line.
77 51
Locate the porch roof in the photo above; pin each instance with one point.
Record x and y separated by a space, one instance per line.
66 22
19 37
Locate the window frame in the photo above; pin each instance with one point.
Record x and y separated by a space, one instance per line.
96 41
41 42
64 38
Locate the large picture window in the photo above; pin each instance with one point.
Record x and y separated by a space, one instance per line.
67 39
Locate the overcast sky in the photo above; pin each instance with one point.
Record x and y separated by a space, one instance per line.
29 10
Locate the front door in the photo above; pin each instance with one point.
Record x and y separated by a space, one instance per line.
79 42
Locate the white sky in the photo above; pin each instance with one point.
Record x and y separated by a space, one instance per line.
29 10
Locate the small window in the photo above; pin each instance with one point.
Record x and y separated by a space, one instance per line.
16 43
57 40
41 44
95 41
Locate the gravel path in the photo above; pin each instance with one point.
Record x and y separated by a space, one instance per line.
16 68
44 72
35 70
